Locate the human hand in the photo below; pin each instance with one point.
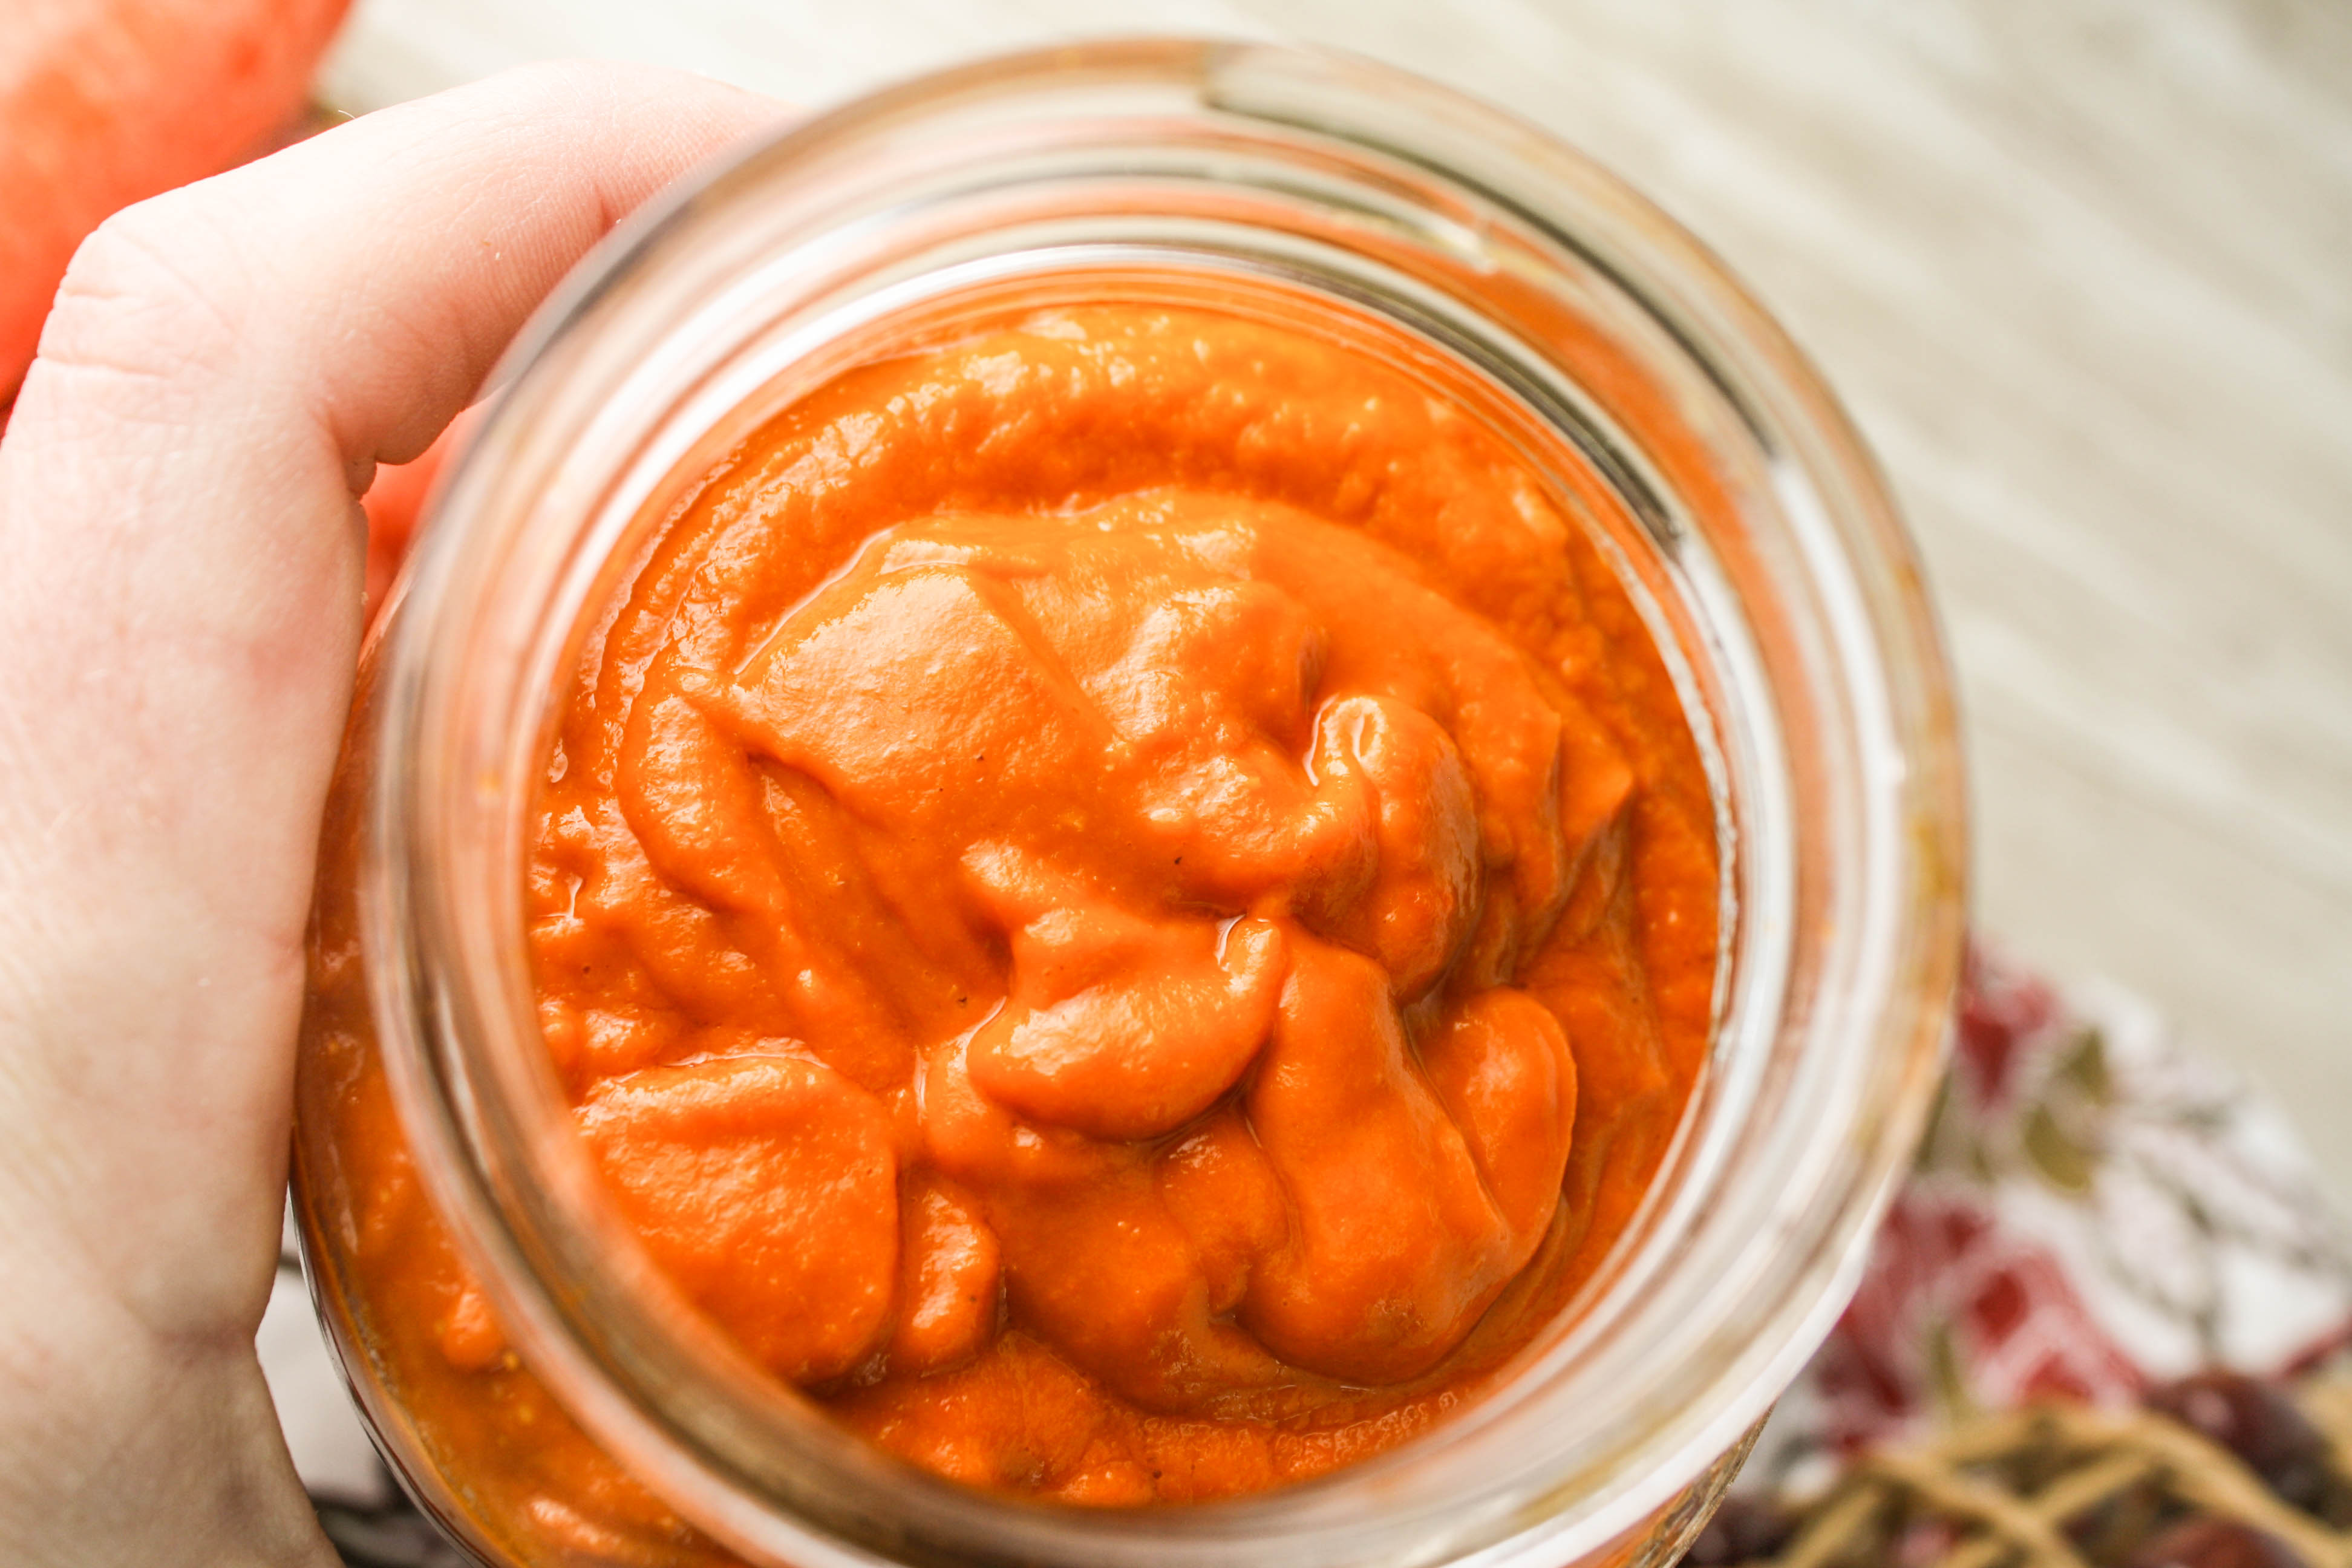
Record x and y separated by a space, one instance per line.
180 606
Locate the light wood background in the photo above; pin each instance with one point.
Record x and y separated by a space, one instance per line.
2083 270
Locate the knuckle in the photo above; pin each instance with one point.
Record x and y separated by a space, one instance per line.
149 296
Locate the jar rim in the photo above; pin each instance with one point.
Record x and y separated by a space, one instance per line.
1843 967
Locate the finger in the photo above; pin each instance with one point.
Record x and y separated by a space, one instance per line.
179 607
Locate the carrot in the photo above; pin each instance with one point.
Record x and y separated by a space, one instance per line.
106 102
394 504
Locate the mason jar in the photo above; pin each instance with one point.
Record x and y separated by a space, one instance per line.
1745 520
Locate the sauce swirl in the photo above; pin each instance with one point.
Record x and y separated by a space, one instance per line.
1124 900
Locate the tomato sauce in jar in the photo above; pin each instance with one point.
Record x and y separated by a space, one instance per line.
1124 900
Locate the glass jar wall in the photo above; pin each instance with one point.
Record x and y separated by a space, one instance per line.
1717 474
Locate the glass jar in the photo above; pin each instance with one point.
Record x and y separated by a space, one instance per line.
1748 524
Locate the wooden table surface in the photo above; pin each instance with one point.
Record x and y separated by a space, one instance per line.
2083 270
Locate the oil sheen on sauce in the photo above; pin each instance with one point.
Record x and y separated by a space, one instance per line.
1124 900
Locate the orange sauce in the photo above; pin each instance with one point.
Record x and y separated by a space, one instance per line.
1125 902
